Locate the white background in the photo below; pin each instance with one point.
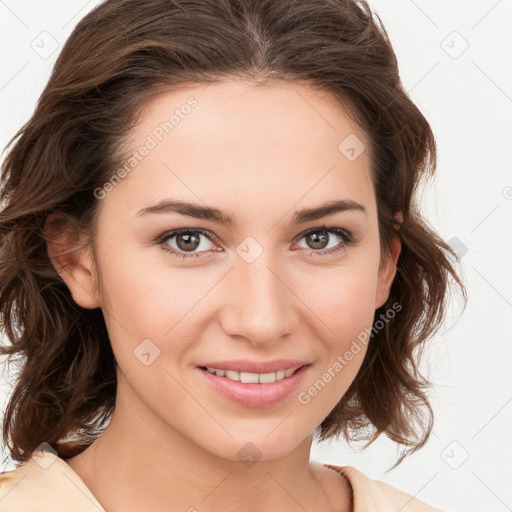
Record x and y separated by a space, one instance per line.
467 98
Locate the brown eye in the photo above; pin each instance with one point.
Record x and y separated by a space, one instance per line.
185 242
318 239
325 241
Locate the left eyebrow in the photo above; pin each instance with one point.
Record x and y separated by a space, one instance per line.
215 215
326 210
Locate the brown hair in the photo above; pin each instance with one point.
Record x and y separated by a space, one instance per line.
120 56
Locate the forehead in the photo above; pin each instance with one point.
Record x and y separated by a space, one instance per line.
278 140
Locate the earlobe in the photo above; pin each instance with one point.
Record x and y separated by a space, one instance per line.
74 263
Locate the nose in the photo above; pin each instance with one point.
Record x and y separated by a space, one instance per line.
260 304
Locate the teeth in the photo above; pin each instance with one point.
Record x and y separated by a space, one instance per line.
287 373
220 373
253 378
249 378
230 374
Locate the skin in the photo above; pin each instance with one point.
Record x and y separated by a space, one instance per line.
259 153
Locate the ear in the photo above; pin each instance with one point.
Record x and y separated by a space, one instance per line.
74 263
387 268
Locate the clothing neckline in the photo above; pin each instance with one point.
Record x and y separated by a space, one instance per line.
46 457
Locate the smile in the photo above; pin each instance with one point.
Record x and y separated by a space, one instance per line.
253 378
253 389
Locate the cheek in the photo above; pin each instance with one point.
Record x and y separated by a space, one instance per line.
343 298
343 315
344 310
147 296
154 309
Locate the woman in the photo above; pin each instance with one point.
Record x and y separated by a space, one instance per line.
211 242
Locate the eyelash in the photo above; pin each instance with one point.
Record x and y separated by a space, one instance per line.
347 238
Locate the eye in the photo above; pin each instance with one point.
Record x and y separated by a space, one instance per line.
330 238
183 241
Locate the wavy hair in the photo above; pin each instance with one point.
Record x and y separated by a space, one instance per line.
120 56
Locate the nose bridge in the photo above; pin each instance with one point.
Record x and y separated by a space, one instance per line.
260 305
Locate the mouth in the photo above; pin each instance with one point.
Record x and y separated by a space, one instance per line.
250 389
252 377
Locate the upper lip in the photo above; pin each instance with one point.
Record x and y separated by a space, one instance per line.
245 365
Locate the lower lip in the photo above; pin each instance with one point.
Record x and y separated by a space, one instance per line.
255 394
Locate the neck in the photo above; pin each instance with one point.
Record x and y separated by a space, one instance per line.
141 463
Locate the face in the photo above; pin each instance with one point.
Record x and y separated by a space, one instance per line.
276 282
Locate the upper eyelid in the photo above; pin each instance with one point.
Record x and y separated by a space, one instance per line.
175 232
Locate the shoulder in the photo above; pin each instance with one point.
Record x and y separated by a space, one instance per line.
374 496
47 484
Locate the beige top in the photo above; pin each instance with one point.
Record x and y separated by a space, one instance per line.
46 483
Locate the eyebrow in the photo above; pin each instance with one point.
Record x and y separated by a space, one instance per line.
215 215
